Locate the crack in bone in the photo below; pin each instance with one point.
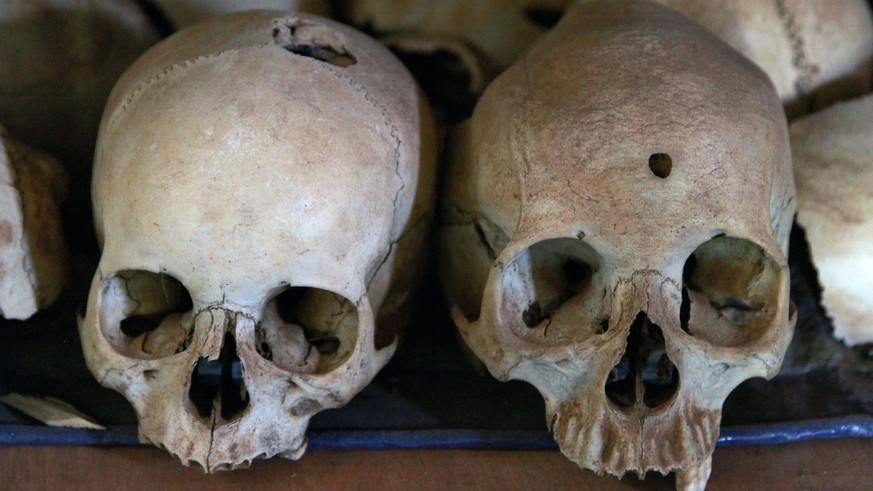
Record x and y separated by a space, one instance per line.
799 58
168 70
406 216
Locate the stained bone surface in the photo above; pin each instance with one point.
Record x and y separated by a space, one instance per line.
815 52
33 255
615 222
263 192
833 162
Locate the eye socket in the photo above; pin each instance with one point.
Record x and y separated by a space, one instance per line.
731 291
307 330
544 291
556 284
146 315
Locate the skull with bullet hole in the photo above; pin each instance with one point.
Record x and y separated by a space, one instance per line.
614 228
262 188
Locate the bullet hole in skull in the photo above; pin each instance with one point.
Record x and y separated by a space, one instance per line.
300 40
660 164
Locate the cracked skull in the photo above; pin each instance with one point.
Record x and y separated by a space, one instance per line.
615 220
816 53
262 193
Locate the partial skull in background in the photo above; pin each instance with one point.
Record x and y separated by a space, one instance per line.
263 192
815 52
833 165
182 13
58 62
33 255
615 221
487 35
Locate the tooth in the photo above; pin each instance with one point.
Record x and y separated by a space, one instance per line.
694 478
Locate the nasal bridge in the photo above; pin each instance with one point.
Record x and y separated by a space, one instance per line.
217 386
644 376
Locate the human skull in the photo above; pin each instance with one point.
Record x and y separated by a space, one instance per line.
182 13
262 194
814 52
493 32
833 163
58 62
33 256
615 221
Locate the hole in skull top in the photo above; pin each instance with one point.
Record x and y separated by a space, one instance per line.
730 291
145 315
545 291
660 164
645 372
307 330
302 39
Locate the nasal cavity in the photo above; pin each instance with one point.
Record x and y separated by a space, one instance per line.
217 386
645 373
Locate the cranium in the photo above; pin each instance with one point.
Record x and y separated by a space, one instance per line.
814 52
33 257
58 62
487 35
616 215
262 192
183 13
833 162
